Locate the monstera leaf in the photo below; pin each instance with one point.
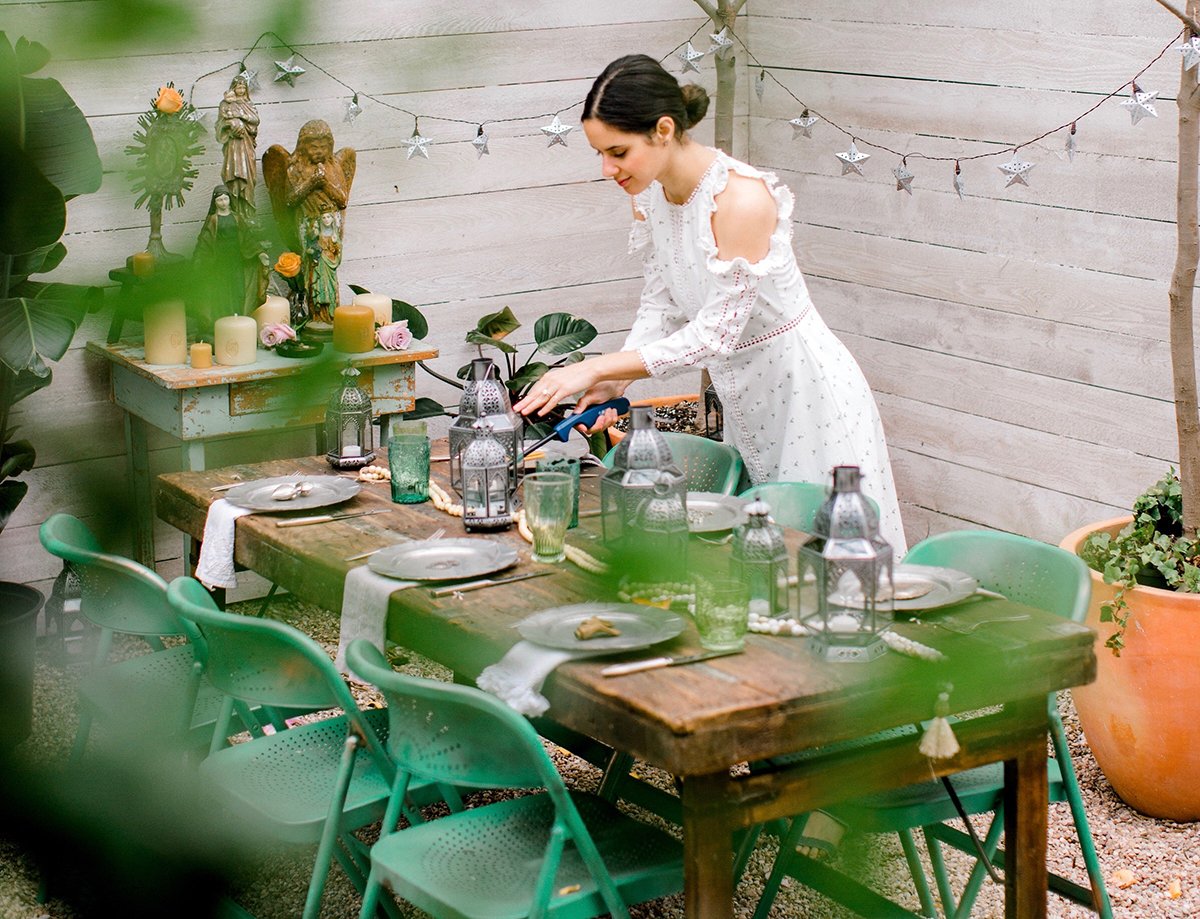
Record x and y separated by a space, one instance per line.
562 333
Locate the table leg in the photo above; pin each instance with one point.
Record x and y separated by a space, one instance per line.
137 465
193 461
707 849
1025 828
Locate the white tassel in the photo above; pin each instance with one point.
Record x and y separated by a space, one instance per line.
939 741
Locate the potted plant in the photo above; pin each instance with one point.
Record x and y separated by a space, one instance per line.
1140 714
47 157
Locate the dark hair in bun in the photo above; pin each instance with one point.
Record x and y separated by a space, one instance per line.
634 92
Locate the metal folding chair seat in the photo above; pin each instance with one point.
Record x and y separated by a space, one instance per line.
313 783
707 465
551 853
1026 571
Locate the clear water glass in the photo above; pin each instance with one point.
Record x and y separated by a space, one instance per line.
548 502
722 612
408 462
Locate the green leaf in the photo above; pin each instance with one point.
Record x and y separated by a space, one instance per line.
58 138
497 325
357 289
417 323
475 337
16 456
33 212
11 494
33 330
32 56
425 408
528 375
561 333
28 382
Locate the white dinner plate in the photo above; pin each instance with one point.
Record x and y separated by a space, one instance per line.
640 626
325 490
921 587
446 559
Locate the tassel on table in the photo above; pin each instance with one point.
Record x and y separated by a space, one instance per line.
939 741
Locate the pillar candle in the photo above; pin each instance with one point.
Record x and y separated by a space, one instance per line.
274 309
234 340
380 305
353 329
201 355
142 263
164 327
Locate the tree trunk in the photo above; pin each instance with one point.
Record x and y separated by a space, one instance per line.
1183 279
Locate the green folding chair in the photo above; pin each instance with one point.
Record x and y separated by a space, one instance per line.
159 695
313 783
707 465
793 504
552 853
1026 571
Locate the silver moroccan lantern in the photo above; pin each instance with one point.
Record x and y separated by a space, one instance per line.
760 560
714 414
489 480
845 575
349 434
484 395
637 460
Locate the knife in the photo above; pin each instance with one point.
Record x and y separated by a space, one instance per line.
485 582
653 663
325 518
588 417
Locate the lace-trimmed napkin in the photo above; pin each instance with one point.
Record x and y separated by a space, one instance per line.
215 566
517 678
365 596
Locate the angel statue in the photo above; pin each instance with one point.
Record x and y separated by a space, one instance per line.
305 185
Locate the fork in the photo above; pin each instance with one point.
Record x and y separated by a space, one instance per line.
436 534
230 485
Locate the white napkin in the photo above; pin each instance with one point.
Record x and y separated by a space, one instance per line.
517 677
215 567
364 609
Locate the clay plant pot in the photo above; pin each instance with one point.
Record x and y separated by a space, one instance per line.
1141 716
615 436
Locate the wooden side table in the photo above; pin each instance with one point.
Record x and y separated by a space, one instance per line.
199 405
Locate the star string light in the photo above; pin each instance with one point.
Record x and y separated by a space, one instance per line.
1191 52
802 126
722 44
287 71
353 109
1140 104
418 145
760 84
852 159
1071 145
250 76
904 178
1016 170
960 187
480 143
556 131
689 56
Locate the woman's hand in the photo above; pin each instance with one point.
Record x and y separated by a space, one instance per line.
554 386
602 392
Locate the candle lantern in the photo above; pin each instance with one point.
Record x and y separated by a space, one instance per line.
489 480
714 414
760 560
349 434
845 575
659 536
484 396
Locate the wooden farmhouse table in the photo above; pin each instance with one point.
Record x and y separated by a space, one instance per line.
195 406
700 720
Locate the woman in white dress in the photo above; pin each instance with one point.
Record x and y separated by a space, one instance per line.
723 292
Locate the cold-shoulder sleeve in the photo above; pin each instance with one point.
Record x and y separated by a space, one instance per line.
657 315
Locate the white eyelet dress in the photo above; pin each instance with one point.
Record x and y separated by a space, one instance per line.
795 402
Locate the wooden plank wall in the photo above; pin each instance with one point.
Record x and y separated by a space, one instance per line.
528 226
1016 339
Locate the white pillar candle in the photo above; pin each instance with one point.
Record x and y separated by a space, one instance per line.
274 309
380 305
164 329
234 340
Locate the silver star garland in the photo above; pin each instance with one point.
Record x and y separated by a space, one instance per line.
353 109
722 44
288 71
1016 170
904 178
852 159
418 145
557 132
689 56
480 143
802 126
1190 50
760 84
251 78
1072 146
960 187
1140 104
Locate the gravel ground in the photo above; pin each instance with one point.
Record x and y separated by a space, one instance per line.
1155 853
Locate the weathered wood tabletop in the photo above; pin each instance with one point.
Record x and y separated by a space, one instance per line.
697 721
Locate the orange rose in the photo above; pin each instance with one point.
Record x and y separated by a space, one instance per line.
169 100
288 264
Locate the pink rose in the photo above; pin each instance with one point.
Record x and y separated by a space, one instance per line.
394 336
276 333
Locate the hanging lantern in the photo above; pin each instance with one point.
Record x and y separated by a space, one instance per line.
349 434
714 414
760 560
489 480
845 575
484 395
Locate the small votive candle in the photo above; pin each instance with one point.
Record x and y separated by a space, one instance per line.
379 304
202 355
235 339
164 329
274 309
353 329
142 264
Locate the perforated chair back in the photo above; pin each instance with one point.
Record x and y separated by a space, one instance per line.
707 465
116 593
794 504
1025 570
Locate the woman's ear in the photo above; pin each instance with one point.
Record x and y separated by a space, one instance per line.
664 131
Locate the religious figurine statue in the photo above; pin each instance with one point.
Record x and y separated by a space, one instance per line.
305 186
231 262
237 130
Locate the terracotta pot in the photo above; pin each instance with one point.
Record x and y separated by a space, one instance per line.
1141 716
615 436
